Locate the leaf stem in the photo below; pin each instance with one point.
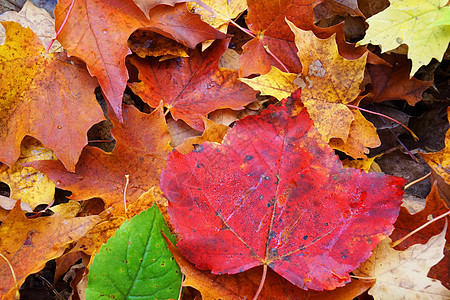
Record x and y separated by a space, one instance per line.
261 285
127 177
416 181
277 59
61 27
397 242
13 274
384 116
242 28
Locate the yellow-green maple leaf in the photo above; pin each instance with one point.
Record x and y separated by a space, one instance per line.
411 22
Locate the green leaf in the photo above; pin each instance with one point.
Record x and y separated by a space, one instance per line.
415 23
136 262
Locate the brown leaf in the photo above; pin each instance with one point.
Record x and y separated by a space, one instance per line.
393 83
149 43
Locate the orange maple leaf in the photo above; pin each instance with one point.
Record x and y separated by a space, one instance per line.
41 96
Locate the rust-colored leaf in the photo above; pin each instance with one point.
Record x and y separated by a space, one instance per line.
192 87
43 95
97 32
139 153
273 193
29 244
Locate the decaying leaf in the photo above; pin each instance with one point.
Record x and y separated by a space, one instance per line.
43 95
273 193
403 274
34 242
331 82
407 222
393 82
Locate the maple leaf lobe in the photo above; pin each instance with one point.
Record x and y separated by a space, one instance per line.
273 193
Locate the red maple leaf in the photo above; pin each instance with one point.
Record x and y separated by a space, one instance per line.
192 87
275 194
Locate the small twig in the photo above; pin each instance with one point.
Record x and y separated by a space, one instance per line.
261 285
127 177
397 242
396 137
416 181
62 26
384 116
13 274
57 294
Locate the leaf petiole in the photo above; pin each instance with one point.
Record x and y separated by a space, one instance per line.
384 116
62 26
261 285
397 242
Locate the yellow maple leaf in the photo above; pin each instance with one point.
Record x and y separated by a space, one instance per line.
411 22
275 83
329 82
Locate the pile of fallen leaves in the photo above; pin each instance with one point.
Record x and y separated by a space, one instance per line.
197 143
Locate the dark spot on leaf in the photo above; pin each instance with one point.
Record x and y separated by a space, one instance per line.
266 177
305 237
248 157
200 166
326 224
268 204
261 197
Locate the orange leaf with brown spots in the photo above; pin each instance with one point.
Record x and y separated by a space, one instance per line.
47 96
